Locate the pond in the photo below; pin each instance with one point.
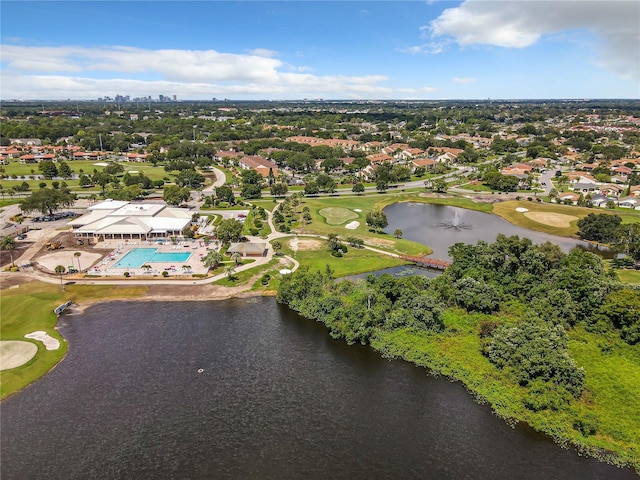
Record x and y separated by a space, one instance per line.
441 226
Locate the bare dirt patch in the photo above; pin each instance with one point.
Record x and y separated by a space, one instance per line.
67 258
381 242
306 244
551 219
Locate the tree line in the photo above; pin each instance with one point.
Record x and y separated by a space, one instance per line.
529 297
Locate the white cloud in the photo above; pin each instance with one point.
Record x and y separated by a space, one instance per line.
433 47
77 72
263 52
519 24
463 80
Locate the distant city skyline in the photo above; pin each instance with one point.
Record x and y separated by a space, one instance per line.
294 50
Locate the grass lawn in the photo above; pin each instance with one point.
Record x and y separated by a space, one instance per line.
320 226
507 210
5 202
628 276
313 254
39 300
476 187
337 215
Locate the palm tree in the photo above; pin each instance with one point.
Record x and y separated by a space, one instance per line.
230 271
60 270
236 257
77 255
276 246
8 243
212 259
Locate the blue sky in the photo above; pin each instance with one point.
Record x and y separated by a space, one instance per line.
472 49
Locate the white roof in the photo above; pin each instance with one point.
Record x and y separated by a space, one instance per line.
88 218
108 204
139 209
115 217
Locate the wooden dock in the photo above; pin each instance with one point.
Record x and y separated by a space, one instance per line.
427 262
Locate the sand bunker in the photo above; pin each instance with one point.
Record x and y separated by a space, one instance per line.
14 353
357 210
352 225
522 209
49 342
552 219
305 244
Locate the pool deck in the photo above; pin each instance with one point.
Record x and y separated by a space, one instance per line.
198 249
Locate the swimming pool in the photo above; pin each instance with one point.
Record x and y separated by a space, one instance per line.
139 256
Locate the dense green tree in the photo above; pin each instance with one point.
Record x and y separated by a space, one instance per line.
229 230
358 188
533 350
175 195
225 194
627 240
279 189
251 184
85 181
377 220
621 310
311 188
189 178
48 169
113 169
65 170
47 201
599 227
439 185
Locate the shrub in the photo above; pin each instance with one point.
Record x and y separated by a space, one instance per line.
535 351
127 274
165 273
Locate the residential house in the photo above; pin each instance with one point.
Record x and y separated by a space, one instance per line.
259 164
611 190
567 197
584 187
427 163
380 158
629 202
623 171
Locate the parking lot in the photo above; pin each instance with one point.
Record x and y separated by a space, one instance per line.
55 216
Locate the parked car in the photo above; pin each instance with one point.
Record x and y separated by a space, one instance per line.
22 236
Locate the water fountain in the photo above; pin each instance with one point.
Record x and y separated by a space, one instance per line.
456 223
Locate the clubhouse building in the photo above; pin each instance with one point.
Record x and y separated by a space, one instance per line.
115 219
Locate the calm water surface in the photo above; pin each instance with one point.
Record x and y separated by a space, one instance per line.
277 399
425 223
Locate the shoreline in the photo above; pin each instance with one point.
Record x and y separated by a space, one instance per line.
79 308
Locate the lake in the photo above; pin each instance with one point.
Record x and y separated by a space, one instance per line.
246 388
441 226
